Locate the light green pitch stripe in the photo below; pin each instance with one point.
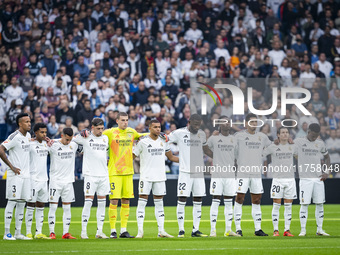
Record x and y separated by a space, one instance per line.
208 92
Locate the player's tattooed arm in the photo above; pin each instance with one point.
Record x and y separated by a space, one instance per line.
207 151
3 156
172 157
327 160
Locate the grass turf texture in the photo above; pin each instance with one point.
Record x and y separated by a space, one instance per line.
150 244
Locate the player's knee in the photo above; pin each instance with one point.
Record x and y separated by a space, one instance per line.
39 204
182 199
197 199
33 204
217 197
239 199
114 202
143 196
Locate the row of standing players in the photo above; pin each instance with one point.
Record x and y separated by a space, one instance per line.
27 175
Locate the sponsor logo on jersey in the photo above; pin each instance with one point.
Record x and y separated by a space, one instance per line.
305 145
278 149
220 140
37 147
60 149
149 146
186 136
247 138
22 142
91 141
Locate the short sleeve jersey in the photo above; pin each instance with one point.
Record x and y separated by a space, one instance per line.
18 147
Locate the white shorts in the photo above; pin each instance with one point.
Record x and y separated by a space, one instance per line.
18 188
39 192
187 184
253 184
283 188
63 190
96 184
312 189
223 186
158 188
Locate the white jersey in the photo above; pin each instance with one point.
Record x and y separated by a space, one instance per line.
190 149
62 162
38 160
95 154
18 147
309 157
249 153
152 158
282 165
223 148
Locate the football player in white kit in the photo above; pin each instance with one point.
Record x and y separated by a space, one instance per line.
250 145
18 185
283 183
63 154
223 182
312 176
152 151
39 189
191 142
96 180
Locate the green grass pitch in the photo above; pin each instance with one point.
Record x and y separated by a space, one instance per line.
150 244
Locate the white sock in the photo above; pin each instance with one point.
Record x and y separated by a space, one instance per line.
257 215
276 215
238 215
214 213
228 214
29 219
288 215
303 217
19 216
159 213
9 215
180 215
141 213
122 230
66 218
319 216
100 214
39 219
196 215
51 217
85 215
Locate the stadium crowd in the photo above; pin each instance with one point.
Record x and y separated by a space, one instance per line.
65 62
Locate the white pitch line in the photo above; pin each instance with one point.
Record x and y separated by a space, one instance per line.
178 249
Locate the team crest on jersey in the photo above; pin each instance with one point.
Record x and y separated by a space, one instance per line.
181 192
303 200
161 144
70 147
259 138
13 194
198 136
87 191
273 194
51 198
316 146
289 148
239 188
